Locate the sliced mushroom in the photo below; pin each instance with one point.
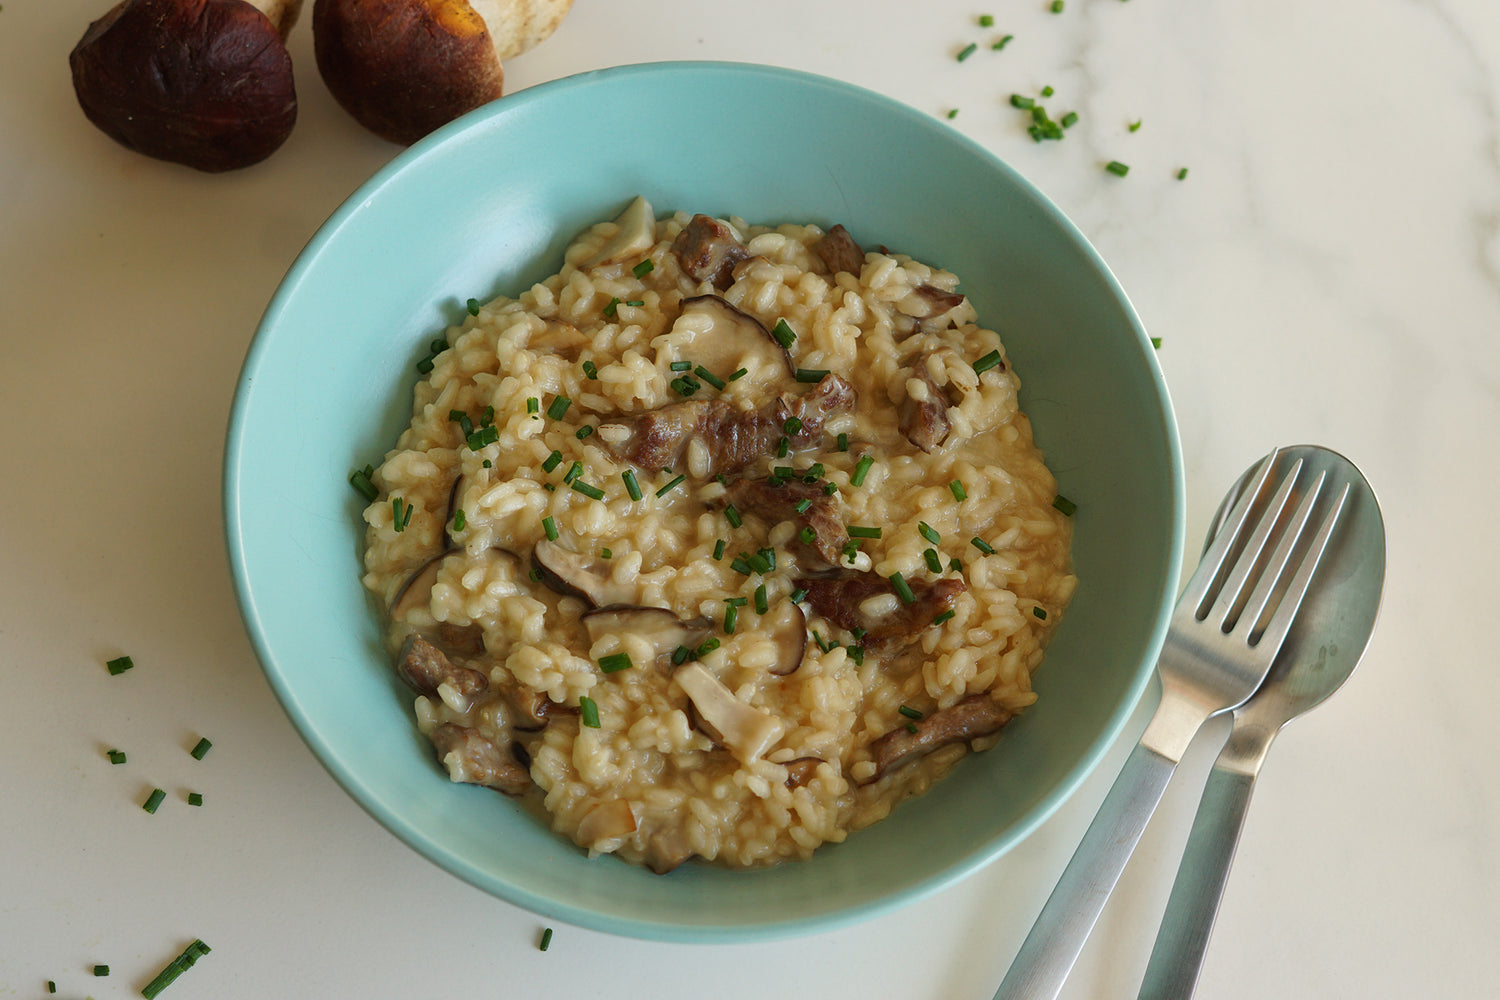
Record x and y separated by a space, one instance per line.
840 596
658 626
788 628
708 250
800 771
801 503
470 758
838 250
635 235
723 338
426 668
977 715
609 820
666 848
746 731
416 592
464 640
574 575
530 710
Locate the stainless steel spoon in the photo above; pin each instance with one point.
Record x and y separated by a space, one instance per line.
1325 642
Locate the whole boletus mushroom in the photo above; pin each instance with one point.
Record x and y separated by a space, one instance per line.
403 68
205 83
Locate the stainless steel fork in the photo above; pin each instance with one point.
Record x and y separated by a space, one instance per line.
1221 641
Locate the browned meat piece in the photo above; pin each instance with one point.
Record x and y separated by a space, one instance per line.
465 640
925 421
474 760
800 771
774 504
708 251
977 715
425 668
839 251
928 311
531 709
666 849
837 596
735 437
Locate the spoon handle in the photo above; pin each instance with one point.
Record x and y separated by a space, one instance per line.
1177 957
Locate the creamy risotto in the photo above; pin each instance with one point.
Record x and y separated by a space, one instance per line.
718 543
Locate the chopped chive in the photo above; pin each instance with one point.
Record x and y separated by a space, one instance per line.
933 562
612 307
588 714
732 513
670 486
154 800
1135 126
903 589
487 463
731 617
684 386
982 545
759 562
533 405
101 970
762 600
802 505
783 472
559 407
1182 174
1002 42
987 362
1047 91
792 425
425 365
396 508
952 113
549 487
553 461
911 727
195 798
739 565
574 471
861 469
928 532
116 756
807 535
360 480
814 473
1040 612
535 575
709 645
851 549
857 654
812 374
986 21
588 490
858 632
783 446
550 527
635 302
167 976
681 655
590 370
631 486
829 489
1117 168
1062 503
1069 120
783 333
644 268
738 602
709 377
1057 6
956 564
843 441
615 662
681 366
943 617
909 712
769 555
51 986
1156 342
201 748
958 491
473 307
1022 102
606 553
738 373
968 50
119 665
719 549
547 934
862 531
584 431
488 417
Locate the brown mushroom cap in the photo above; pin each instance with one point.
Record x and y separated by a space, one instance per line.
403 68
204 83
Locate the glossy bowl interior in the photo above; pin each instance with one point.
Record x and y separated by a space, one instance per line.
486 206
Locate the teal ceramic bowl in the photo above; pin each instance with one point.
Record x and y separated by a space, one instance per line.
486 206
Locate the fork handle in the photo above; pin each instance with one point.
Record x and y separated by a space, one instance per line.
1177 958
1057 937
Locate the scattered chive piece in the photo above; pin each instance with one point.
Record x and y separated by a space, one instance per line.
681 655
1040 613
459 520
956 564
801 506
843 441
807 535
738 602
588 490
968 50
731 617
982 545
195 798
488 464
590 370
588 714
154 801
1182 174
549 487
792 425
51 986
631 486
533 405
473 306
119 664
986 20
574 471
719 549
1047 91
732 513
762 600
1062 503
933 562
606 553
1057 6
783 333
829 489
958 491
584 431
535 575
911 727
759 562
681 366
952 113
559 407
200 749
553 461
635 302
1002 42
360 480
550 527
861 531
612 307
101 970
987 362
670 486
175 968
857 654
1134 126
783 446
738 373
709 645
798 595
615 662
547 934
644 268
1069 120
769 554
1156 342
812 374
928 532
739 565
861 470
116 756
1117 168
488 417
943 617
909 712
709 377
903 589
1022 102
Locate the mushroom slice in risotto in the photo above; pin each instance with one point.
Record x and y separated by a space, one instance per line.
746 731
803 504
838 250
635 233
473 759
734 437
574 575
712 333
708 250
867 604
975 716
660 627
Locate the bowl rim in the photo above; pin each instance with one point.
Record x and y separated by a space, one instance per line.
959 867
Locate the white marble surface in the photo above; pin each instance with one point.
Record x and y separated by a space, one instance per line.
1329 272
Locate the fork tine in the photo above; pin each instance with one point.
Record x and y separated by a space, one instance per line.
1276 631
1276 566
1201 586
1244 566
